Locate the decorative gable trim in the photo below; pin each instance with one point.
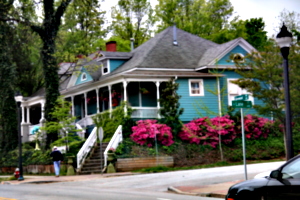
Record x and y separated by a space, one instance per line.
239 42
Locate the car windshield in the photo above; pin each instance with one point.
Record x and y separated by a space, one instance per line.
292 170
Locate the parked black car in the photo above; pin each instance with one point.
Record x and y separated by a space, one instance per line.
282 184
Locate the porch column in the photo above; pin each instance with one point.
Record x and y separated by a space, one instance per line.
109 97
97 96
42 112
125 96
85 105
28 114
73 108
157 97
23 115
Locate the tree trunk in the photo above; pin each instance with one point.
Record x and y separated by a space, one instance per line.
50 71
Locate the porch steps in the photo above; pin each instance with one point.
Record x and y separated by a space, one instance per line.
92 164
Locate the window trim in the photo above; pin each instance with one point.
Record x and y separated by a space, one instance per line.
240 92
83 76
107 67
239 61
201 87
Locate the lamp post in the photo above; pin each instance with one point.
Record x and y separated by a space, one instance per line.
18 99
284 40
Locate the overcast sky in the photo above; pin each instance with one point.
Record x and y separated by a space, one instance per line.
269 10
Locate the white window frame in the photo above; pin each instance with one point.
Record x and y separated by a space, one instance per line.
107 67
201 87
238 54
234 90
83 76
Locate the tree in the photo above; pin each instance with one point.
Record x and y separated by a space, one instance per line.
48 31
82 29
264 81
291 20
203 18
133 19
25 47
65 121
170 110
256 35
8 115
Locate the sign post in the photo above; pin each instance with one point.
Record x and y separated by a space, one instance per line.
241 102
100 136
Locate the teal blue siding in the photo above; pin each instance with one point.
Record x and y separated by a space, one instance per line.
114 64
226 59
207 105
193 105
88 77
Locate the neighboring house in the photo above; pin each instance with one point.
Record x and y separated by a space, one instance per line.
138 77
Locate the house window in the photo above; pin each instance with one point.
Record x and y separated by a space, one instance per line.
83 76
238 57
235 90
105 67
196 87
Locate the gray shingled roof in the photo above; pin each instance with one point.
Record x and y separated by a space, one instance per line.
212 53
159 52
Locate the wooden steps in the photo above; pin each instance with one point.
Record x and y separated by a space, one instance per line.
92 164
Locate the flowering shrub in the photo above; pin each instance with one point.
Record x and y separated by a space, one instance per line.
206 131
256 127
111 150
146 130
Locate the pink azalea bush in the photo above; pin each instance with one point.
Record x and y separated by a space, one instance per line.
206 131
256 127
145 131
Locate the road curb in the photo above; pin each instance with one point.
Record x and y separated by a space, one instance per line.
173 189
202 194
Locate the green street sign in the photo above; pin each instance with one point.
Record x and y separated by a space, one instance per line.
242 97
241 104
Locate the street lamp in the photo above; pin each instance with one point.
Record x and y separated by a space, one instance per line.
284 40
18 99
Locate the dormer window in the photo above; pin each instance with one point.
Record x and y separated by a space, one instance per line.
83 76
238 57
105 67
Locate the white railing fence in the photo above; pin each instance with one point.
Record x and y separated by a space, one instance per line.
86 148
114 142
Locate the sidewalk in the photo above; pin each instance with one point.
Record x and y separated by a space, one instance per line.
34 179
216 190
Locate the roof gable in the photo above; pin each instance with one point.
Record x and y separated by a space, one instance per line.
83 77
225 60
230 46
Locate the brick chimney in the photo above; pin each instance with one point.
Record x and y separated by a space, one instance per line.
111 46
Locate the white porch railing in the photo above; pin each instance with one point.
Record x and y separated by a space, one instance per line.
114 142
142 112
86 121
86 148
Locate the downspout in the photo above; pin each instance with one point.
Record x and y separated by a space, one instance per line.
220 114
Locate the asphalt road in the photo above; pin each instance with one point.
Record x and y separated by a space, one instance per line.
135 187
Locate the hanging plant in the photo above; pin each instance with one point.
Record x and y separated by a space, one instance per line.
144 91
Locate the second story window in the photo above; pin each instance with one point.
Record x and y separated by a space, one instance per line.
105 67
83 76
